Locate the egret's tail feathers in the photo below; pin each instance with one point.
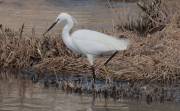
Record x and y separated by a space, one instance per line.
120 44
123 44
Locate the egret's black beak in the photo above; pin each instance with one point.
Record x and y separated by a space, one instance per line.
51 27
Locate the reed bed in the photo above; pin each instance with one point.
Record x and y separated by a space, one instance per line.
154 56
155 17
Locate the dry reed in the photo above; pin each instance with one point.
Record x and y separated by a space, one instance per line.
155 17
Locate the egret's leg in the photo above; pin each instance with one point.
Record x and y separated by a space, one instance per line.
93 72
90 59
105 64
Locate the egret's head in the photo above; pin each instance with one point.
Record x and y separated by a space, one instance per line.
61 17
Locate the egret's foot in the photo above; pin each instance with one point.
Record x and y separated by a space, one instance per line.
106 70
108 80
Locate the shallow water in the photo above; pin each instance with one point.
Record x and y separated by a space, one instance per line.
40 14
25 96
19 93
90 14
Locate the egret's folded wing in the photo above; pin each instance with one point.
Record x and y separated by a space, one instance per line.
99 42
90 47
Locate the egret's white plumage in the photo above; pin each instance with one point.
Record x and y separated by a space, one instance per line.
95 43
88 42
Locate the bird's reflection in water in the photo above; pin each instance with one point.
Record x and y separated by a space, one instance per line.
105 101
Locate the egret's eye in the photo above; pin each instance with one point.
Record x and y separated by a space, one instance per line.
58 19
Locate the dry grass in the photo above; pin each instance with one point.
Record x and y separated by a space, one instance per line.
156 56
155 17
17 51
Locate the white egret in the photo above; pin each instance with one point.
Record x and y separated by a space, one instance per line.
88 42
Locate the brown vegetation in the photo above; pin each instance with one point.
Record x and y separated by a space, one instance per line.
156 56
157 15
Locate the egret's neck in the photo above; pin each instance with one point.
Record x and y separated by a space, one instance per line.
67 28
65 33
